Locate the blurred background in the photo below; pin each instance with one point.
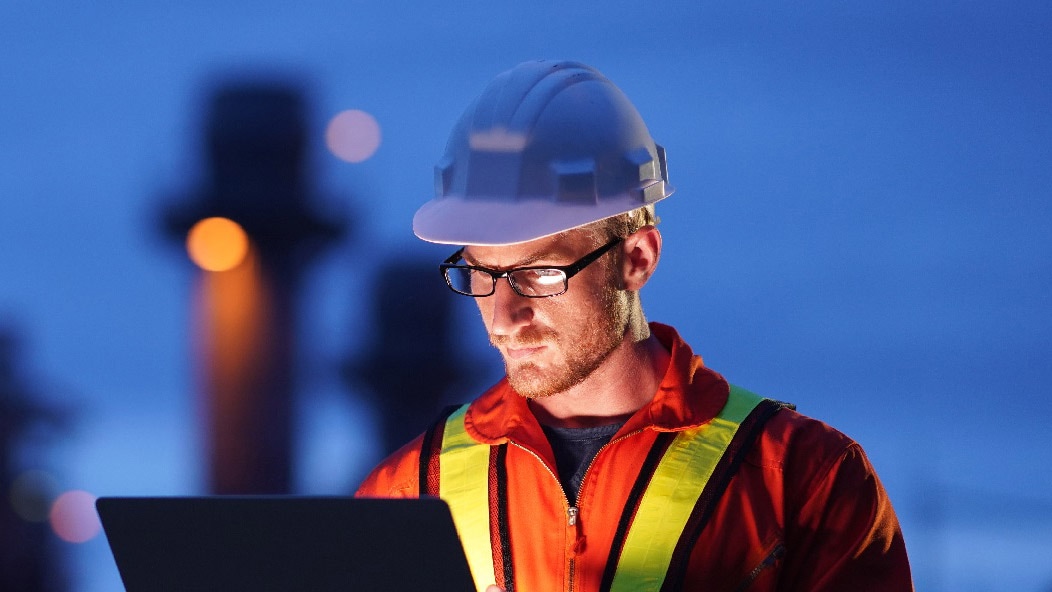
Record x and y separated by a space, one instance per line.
862 226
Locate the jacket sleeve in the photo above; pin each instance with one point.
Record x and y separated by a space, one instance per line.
396 476
842 533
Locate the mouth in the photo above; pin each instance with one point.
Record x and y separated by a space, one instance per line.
520 353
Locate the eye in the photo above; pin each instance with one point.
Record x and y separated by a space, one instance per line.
539 282
479 281
544 277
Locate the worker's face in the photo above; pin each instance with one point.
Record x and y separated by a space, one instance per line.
552 344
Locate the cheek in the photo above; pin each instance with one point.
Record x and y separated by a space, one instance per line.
574 314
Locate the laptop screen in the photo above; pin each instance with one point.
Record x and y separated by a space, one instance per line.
284 543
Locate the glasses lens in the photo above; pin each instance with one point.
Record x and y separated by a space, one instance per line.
469 281
539 282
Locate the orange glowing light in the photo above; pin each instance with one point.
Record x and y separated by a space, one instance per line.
217 244
73 517
353 135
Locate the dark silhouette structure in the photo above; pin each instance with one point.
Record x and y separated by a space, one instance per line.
409 366
28 559
245 325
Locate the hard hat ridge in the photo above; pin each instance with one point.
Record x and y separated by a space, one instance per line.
547 146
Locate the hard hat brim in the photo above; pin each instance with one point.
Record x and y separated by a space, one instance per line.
459 221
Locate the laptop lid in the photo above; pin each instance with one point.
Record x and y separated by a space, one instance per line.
284 543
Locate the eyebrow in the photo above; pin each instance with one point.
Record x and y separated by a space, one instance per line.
526 261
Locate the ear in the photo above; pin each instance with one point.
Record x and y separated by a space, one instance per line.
640 253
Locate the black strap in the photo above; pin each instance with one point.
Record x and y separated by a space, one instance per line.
646 472
503 532
429 453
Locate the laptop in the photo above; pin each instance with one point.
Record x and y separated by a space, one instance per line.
284 544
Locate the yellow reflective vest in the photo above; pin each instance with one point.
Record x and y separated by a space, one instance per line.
665 504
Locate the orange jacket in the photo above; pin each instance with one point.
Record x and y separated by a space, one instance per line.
803 511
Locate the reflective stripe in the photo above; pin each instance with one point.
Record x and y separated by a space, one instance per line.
672 494
464 485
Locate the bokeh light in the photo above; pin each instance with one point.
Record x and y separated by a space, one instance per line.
353 135
73 517
217 244
31 494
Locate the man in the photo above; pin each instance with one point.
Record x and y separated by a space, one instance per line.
609 457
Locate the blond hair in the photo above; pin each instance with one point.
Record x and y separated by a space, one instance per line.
622 225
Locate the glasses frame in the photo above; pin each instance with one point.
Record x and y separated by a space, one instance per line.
568 271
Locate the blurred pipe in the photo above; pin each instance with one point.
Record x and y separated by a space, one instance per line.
245 373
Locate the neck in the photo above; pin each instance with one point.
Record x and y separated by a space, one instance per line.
625 382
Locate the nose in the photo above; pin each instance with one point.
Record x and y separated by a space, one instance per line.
505 310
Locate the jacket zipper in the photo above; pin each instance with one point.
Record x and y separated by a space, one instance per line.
776 553
572 512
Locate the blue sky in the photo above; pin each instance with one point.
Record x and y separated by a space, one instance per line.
861 224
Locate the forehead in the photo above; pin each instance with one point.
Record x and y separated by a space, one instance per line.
557 249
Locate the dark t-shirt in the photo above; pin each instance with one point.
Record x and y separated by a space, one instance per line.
574 450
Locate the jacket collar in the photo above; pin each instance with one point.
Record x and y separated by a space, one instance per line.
689 395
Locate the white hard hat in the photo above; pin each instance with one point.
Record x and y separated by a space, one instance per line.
547 146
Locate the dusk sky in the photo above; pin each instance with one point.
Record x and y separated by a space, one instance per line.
862 226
